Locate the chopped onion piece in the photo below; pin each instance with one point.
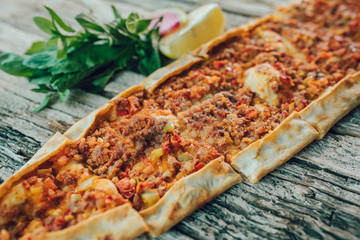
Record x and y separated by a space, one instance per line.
150 198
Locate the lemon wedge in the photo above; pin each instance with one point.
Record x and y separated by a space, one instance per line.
204 24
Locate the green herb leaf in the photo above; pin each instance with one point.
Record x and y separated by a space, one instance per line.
41 46
40 90
41 60
59 21
115 12
44 103
41 81
135 25
44 24
63 96
61 48
85 59
151 60
100 82
13 64
88 23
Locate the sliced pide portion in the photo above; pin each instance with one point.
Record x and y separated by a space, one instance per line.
56 197
268 153
188 194
229 121
143 154
326 42
339 17
339 100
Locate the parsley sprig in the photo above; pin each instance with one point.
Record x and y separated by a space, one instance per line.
86 58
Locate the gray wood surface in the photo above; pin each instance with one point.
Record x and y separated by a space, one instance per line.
316 195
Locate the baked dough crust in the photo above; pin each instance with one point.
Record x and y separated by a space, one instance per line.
189 194
203 50
268 153
51 148
333 104
162 74
120 223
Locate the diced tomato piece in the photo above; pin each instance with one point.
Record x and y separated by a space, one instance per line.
175 140
354 25
199 166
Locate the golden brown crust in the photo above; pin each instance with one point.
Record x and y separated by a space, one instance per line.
162 74
81 128
51 148
188 194
203 50
268 153
120 223
333 104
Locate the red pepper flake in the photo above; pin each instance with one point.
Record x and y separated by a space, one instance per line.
58 223
356 56
32 180
166 146
219 63
251 114
175 140
334 67
26 184
123 112
283 74
196 73
199 166
146 161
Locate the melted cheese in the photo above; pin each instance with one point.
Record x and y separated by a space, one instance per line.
257 79
281 44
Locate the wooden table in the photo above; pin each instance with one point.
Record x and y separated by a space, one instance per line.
315 195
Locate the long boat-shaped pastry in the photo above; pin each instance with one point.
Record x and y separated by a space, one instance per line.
244 103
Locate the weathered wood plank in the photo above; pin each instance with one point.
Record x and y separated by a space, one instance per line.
315 195
335 153
349 125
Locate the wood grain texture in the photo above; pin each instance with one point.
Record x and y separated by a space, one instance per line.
316 195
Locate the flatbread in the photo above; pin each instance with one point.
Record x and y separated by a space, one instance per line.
120 223
268 153
51 148
335 103
188 194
